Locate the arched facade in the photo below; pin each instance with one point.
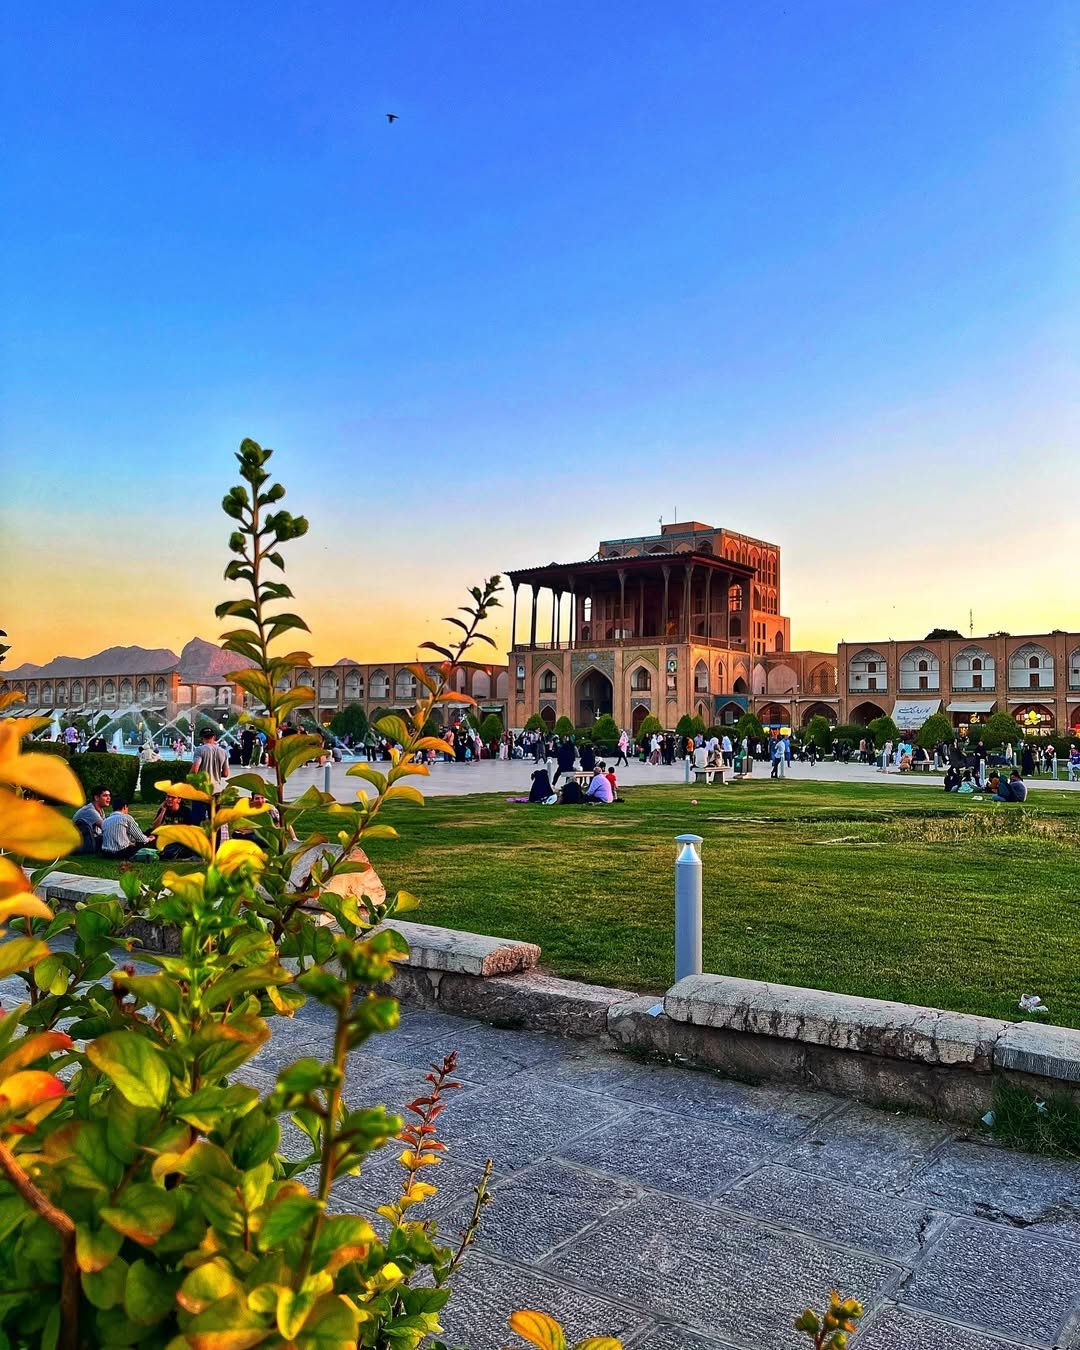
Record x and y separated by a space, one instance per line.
919 670
867 671
973 668
1031 667
865 712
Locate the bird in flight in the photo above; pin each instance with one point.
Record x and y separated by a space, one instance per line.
391 117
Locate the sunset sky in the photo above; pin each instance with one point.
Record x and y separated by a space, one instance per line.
804 269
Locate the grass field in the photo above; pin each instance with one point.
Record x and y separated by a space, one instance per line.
905 894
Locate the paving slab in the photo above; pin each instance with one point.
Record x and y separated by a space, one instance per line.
485 1054
516 1127
678 1155
704 1271
869 1220
897 1329
772 1112
672 1338
1041 1195
542 1208
867 1147
488 1290
1009 1282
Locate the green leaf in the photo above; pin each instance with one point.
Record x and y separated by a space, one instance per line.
286 1217
158 990
143 1212
227 1325
135 1065
333 1325
365 771
293 751
96 1247
105 1288
211 1107
393 728
240 981
292 1311
206 1285
149 1293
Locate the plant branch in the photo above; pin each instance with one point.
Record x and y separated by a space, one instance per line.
62 1224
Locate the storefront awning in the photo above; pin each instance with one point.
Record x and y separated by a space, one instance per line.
970 705
910 713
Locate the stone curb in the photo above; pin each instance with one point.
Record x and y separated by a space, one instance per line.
840 1021
447 950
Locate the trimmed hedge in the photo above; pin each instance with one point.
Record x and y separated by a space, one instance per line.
49 748
172 770
119 773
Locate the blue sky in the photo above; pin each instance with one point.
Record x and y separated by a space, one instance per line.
804 269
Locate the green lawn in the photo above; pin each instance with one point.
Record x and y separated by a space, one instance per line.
898 893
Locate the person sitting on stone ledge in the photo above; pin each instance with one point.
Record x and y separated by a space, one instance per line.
243 830
121 837
174 811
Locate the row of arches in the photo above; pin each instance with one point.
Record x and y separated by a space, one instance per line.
1030 666
724 677
109 690
354 685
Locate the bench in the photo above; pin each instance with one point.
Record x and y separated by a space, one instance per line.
582 777
711 775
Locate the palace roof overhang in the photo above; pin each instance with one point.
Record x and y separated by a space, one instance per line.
559 576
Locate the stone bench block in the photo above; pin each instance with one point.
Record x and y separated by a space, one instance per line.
457 953
539 1002
71 889
839 1021
1047 1051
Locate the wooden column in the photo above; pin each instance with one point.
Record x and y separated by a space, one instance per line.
622 600
513 620
708 604
641 607
665 568
687 584
554 606
532 627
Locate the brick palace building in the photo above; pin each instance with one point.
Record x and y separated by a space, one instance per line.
684 622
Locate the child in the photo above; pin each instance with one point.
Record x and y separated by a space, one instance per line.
609 774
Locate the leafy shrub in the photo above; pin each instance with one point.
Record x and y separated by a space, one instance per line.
119 773
351 721
999 729
749 725
564 728
849 733
173 770
606 730
935 731
51 748
536 723
650 726
883 729
820 733
491 728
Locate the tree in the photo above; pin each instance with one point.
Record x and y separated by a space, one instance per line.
650 726
605 730
536 723
819 731
883 729
491 729
749 727
935 731
999 729
942 633
351 721
564 728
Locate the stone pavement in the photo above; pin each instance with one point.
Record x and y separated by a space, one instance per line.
682 1211
511 778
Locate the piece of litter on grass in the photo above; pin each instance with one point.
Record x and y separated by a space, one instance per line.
988 1119
1041 1108
656 1010
1032 1003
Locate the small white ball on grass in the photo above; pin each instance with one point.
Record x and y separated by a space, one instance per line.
693 801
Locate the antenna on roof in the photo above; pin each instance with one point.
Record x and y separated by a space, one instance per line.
971 624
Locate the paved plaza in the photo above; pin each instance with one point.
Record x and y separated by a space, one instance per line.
680 1210
511 777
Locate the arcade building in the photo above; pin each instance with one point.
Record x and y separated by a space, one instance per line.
684 622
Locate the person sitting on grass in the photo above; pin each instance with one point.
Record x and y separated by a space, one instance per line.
541 793
571 794
174 811
90 819
242 830
1015 790
952 779
121 837
599 789
609 774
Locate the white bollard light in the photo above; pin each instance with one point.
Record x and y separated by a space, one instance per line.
326 778
686 763
688 906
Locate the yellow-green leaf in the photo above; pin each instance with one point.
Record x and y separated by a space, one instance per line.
538 1329
187 836
35 830
135 1065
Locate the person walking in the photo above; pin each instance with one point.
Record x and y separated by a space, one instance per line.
623 746
1027 759
213 760
1074 762
565 756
